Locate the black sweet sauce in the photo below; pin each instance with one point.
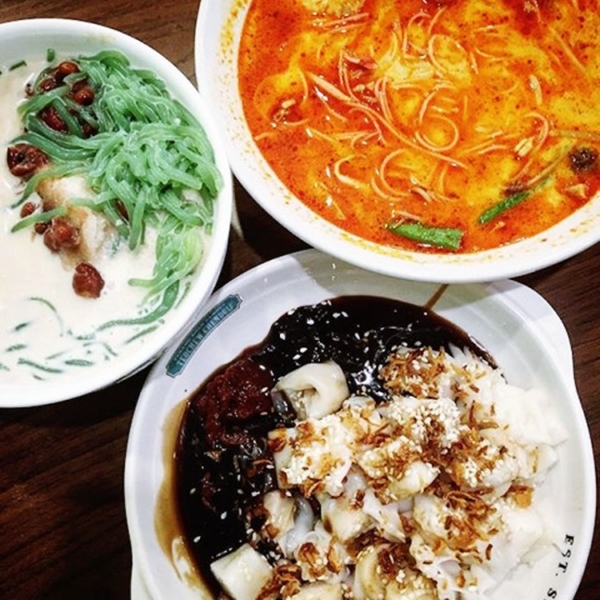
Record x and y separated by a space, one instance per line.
222 460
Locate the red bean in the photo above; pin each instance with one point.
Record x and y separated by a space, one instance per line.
24 160
53 120
82 93
88 130
87 281
27 209
61 234
47 84
122 210
40 228
65 68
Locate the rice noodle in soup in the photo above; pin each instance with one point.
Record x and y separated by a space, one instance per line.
457 125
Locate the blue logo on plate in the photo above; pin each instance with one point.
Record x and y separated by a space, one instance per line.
210 321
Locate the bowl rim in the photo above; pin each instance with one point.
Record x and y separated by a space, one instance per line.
63 33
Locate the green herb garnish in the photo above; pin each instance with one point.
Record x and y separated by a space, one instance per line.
79 362
18 65
16 347
441 237
167 302
505 204
52 308
44 368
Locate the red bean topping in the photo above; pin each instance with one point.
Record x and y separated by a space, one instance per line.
40 228
83 93
53 120
88 130
87 282
55 78
27 209
122 210
47 84
65 68
61 234
24 160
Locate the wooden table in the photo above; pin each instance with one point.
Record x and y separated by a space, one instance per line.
63 532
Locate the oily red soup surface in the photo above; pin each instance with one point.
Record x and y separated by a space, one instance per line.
428 112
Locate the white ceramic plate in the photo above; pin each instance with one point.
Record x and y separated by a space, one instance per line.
518 327
30 40
218 30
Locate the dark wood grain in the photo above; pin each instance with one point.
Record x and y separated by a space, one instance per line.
63 532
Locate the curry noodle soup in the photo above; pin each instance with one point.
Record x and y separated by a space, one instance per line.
456 125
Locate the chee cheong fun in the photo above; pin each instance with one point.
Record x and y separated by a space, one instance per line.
387 468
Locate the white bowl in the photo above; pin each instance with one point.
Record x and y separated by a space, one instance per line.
30 40
218 30
518 328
